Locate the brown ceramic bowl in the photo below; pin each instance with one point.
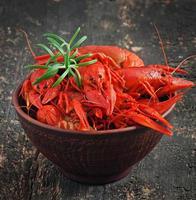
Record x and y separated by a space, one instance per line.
90 157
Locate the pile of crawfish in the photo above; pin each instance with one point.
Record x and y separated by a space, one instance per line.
117 91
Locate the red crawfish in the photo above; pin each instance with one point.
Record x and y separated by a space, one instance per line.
44 88
41 93
51 114
162 106
97 87
117 89
128 110
30 95
154 80
122 57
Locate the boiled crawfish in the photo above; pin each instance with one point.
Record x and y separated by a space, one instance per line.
117 91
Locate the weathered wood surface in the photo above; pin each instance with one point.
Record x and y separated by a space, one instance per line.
169 171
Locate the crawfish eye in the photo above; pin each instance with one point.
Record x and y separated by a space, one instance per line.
91 79
100 76
45 87
38 87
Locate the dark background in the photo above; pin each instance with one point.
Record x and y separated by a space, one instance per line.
168 172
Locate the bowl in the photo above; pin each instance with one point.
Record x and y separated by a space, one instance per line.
89 157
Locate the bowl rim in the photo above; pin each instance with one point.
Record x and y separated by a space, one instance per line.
35 122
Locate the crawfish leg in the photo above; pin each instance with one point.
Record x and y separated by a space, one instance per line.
149 89
154 114
165 105
81 114
145 121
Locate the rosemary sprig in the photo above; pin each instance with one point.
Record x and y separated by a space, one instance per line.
70 62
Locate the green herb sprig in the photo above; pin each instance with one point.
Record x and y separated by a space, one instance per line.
70 63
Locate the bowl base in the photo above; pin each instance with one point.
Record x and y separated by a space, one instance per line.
97 180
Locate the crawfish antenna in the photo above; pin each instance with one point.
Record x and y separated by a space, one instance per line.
28 42
161 43
182 62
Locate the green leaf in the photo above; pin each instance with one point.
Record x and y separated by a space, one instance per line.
67 61
58 66
83 57
74 54
64 44
36 67
72 61
60 79
54 36
51 40
79 79
58 48
87 63
69 64
61 51
50 60
76 76
79 42
43 46
74 36
53 59
52 71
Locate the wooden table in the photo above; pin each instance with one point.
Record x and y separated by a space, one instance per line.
168 171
